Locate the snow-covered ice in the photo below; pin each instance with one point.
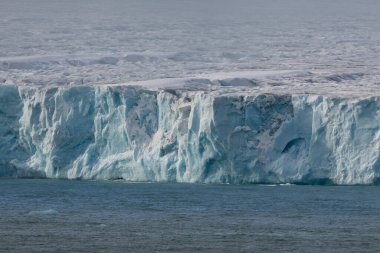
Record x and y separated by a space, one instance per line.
74 42
191 91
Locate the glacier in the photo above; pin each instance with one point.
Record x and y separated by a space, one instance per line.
230 128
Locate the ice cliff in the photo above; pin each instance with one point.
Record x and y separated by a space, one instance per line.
210 129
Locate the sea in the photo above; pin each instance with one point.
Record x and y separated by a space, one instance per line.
43 215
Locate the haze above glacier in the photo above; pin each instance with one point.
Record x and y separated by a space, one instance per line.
51 43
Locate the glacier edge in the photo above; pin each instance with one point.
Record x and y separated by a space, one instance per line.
166 135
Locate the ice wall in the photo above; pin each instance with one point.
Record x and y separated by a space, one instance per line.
138 134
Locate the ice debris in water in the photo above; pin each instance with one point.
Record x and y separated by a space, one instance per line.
48 212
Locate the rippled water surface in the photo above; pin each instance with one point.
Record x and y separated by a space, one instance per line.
77 216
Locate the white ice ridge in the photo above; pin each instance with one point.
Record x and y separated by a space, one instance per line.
250 127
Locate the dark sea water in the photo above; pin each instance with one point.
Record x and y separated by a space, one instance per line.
83 216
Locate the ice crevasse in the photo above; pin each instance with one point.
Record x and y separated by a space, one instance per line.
213 132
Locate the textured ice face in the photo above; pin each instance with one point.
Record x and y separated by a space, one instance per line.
234 134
